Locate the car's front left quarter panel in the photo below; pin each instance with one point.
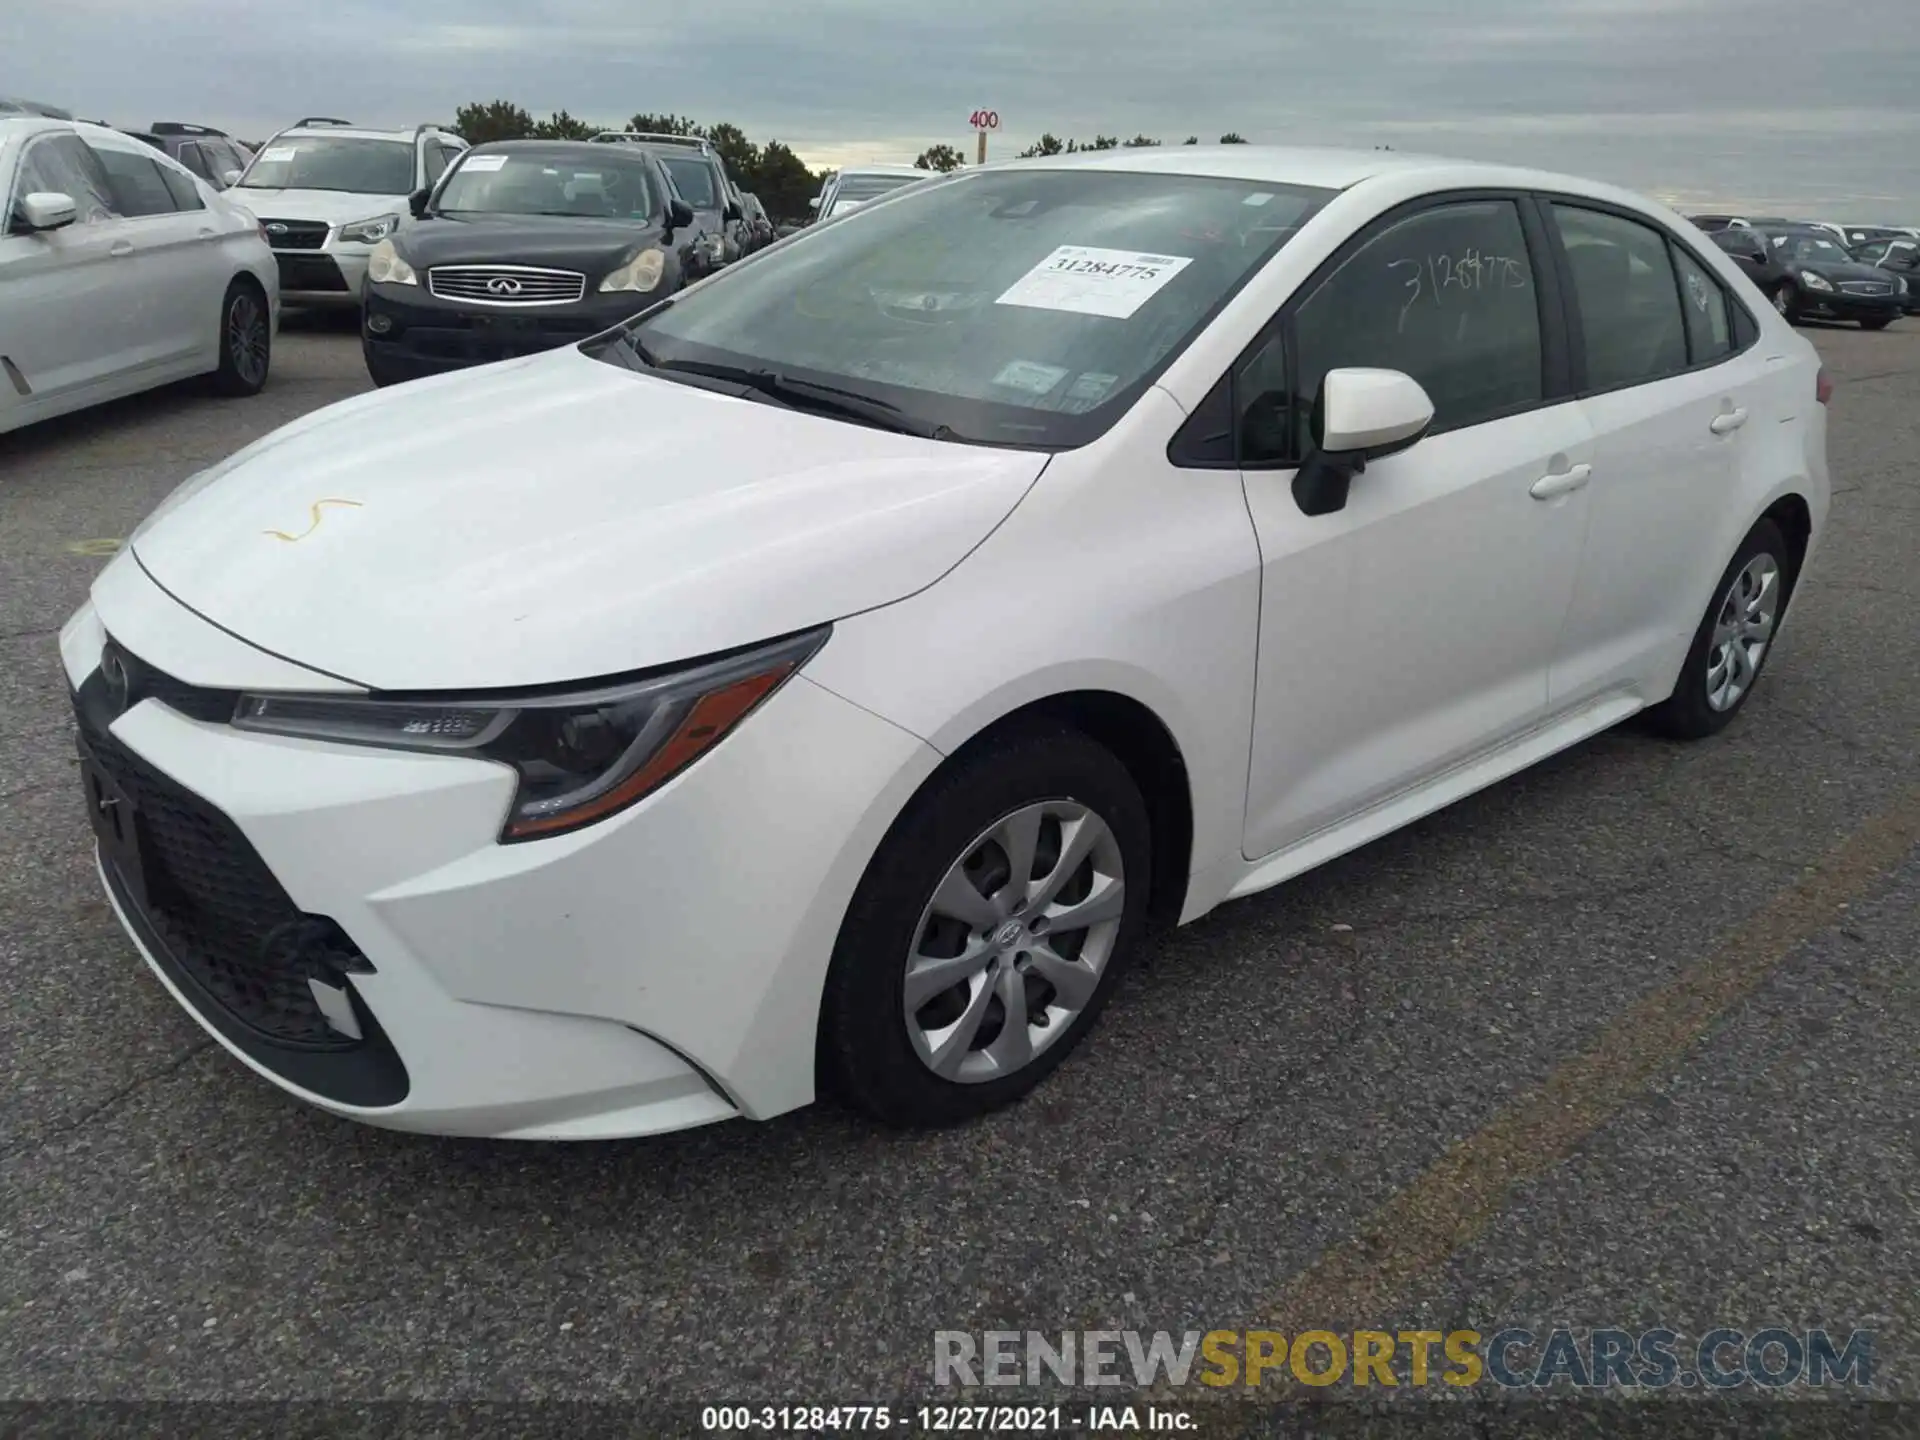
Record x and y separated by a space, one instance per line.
1118 574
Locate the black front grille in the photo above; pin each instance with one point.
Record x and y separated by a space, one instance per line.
296 234
212 901
310 272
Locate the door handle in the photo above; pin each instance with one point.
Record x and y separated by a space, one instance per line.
120 248
1561 482
1729 421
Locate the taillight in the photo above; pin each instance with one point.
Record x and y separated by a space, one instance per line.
1822 387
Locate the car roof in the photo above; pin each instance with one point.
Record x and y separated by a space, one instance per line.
582 149
883 170
351 132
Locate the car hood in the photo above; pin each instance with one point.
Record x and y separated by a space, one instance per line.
558 518
577 243
336 207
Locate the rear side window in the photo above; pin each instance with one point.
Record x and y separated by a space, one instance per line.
194 156
1445 295
1623 281
181 187
136 183
1704 303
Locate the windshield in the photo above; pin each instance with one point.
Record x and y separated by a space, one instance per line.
609 185
1812 248
333 162
693 178
1021 307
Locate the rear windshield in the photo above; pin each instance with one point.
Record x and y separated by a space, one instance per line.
1011 307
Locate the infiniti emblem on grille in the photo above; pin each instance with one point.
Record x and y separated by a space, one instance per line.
503 285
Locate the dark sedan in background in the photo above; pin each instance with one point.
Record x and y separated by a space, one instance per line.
525 245
1899 258
1825 282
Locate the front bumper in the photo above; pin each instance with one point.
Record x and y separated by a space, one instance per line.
332 277
426 335
1821 304
659 970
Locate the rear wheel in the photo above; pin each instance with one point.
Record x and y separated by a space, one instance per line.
246 341
988 931
1734 639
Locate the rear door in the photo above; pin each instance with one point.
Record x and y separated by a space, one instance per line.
175 255
1671 379
67 294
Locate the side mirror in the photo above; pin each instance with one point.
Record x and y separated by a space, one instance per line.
813 202
47 210
679 215
230 178
1359 415
417 202
731 214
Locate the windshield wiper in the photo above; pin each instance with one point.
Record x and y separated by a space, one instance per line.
822 399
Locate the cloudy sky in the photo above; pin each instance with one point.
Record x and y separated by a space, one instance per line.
1766 104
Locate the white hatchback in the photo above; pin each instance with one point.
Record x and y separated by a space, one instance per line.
821 678
121 271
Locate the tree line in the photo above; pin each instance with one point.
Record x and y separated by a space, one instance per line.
771 171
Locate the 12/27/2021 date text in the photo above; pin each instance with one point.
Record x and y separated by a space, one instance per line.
941 1419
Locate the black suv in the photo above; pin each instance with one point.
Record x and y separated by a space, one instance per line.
523 246
700 175
211 154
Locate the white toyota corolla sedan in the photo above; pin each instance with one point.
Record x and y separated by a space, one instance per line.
816 682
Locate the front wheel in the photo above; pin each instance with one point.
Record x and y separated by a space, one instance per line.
246 341
1734 639
1880 323
1786 299
988 931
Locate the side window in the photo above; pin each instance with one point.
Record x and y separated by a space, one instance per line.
1709 335
63 165
194 156
1629 299
437 157
135 182
1446 295
229 158
186 196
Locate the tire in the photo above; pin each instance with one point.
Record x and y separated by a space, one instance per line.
1879 324
1786 300
1702 703
871 1048
246 341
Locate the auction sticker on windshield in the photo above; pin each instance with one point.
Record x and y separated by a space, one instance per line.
481 163
1092 281
275 154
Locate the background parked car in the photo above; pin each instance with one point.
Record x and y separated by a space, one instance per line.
1748 248
759 228
12 105
854 186
1863 234
1826 282
120 271
211 154
1899 258
700 175
328 192
525 245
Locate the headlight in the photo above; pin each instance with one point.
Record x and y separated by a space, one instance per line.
1815 282
370 232
643 272
717 246
385 267
580 757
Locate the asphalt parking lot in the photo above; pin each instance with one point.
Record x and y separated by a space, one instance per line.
1631 1040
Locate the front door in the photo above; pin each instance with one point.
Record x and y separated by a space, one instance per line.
1414 629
